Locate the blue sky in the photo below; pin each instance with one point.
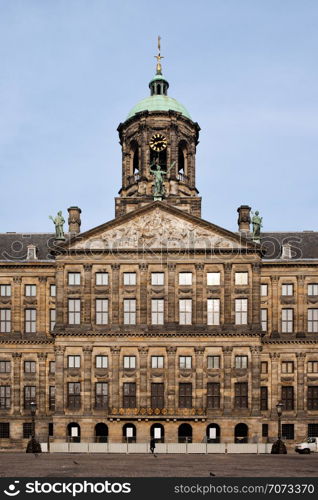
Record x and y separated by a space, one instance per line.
71 70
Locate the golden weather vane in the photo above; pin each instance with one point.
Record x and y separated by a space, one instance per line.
159 57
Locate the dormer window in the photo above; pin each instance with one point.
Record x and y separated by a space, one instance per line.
31 252
286 251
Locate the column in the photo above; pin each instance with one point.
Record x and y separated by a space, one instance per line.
16 309
171 389
199 294
274 382
301 326
199 353
87 293
256 379
256 295
42 309
16 391
275 302
115 294
42 386
227 294
87 351
143 396
300 387
171 293
227 389
115 403
59 380
60 295
143 299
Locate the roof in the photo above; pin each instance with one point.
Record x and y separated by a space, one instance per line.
13 246
304 245
159 103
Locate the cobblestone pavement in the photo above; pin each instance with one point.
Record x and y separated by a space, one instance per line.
119 465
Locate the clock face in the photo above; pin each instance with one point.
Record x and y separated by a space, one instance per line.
158 142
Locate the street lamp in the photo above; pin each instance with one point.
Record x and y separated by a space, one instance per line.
279 447
33 444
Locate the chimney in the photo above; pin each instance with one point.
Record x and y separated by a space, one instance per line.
74 220
244 218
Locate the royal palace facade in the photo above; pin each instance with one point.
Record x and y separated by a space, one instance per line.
158 323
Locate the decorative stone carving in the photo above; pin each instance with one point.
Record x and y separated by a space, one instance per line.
171 351
143 351
115 350
59 349
227 350
256 350
17 280
42 356
274 355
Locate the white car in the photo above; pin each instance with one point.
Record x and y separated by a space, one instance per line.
311 445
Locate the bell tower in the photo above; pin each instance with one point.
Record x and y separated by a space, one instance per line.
158 140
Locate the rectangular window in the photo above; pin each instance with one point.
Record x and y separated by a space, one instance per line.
287 289
5 366
213 362
52 319
241 278
101 395
129 278
74 279
213 279
264 430
288 397
213 395
264 367
241 311
5 290
27 430
241 395
5 397
101 361
213 313
185 362
264 398
264 319
129 311
4 430
241 362
101 279
264 290
30 290
312 366
5 320
30 320
185 395
313 289
74 395
157 395
129 395
157 311
312 430
52 367
157 361
52 397
53 290
101 311
29 367
185 278
74 311
287 320
312 397
288 431
312 315
29 396
287 367
185 311
73 361
157 278
130 362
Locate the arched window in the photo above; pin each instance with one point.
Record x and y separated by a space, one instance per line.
158 89
129 433
182 160
157 431
134 160
241 433
74 432
213 433
101 433
185 433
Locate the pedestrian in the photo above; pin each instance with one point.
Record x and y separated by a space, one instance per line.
152 445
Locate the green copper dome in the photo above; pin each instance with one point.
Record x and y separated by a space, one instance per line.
159 103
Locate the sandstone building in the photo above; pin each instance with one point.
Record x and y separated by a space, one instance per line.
158 323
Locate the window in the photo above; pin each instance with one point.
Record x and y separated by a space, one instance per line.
313 289
30 320
101 311
185 278
73 361
5 366
312 430
74 279
156 361
241 395
213 311
130 362
241 311
213 395
74 395
312 315
129 278
27 430
312 397
53 290
312 366
241 362
288 431
29 396
264 290
264 367
29 367
287 320
30 290
74 311
101 361
157 395
52 397
157 311
287 289
157 278
287 367
264 398
5 290
264 430
52 367
264 319
101 395
5 320
213 362
101 279
5 397
288 397
185 362
241 278
129 395
185 311
185 395
213 279
52 319
4 430
129 311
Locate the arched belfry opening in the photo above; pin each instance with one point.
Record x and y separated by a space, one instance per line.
134 159
182 160
159 157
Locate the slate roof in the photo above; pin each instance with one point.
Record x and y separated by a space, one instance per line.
304 245
13 246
